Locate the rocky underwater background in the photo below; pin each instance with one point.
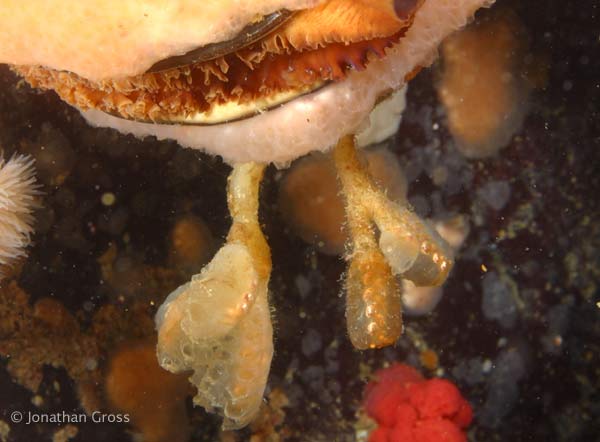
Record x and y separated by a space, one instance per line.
123 222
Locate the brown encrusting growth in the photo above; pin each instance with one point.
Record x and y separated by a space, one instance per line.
46 333
132 382
316 46
269 424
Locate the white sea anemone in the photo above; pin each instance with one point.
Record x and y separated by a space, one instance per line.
18 191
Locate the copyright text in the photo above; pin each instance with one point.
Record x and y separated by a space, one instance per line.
63 417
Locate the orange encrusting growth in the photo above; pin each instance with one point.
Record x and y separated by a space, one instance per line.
482 84
154 399
311 203
191 243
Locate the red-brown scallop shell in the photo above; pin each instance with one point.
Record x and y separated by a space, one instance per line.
315 46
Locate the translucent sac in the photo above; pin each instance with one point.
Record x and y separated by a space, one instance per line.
413 249
373 307
387 240
237 369
214 301
218 325
401 250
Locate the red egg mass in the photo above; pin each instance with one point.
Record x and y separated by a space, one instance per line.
409 408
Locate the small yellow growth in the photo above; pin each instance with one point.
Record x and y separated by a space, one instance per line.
4 431
405 246
108 199
429 359
69 432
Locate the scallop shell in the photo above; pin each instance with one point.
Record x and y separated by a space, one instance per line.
314 47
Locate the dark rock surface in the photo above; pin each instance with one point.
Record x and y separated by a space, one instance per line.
530 368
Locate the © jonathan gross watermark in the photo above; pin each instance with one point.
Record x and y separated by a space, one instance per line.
64 417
